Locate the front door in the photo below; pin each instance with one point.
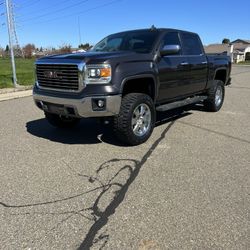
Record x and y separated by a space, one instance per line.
173 76
173 70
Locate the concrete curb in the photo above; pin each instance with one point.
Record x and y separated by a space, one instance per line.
11 93
17 89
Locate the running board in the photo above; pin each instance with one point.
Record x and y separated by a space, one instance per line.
181 103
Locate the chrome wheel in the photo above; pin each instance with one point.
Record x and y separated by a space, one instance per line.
218 96
141 119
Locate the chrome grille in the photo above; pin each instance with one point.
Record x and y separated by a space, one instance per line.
58 76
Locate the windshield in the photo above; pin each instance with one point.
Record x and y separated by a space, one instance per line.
138 41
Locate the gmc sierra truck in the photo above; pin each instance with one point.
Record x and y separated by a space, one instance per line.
128 77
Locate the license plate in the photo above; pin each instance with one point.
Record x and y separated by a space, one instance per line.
57 109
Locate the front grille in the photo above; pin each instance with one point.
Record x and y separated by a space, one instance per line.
58 76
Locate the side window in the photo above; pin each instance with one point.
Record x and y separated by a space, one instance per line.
171 38
114 43
191 44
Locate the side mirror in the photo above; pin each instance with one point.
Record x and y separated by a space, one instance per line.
170 50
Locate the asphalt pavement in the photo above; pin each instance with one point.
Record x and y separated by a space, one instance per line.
187 187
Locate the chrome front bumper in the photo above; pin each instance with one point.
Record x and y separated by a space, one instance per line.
78 107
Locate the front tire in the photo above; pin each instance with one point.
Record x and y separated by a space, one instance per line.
60 121
215 97
136 120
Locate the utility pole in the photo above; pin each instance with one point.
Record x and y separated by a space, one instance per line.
10 31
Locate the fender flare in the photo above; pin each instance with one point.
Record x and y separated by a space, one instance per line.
218 69
126 79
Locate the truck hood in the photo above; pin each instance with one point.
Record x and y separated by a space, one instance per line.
96 57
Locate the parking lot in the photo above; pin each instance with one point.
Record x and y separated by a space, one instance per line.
187 187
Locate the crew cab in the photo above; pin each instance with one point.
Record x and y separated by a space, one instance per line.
128 77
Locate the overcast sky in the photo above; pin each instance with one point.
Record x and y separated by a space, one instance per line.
54 22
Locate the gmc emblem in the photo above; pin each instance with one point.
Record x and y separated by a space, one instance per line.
52 74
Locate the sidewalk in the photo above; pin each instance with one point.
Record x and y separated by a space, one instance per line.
13 93
241 65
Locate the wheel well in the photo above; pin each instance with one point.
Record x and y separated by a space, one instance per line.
140 85
221 75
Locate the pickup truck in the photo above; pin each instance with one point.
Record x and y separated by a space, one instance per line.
128 77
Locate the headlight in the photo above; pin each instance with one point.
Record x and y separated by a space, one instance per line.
97 74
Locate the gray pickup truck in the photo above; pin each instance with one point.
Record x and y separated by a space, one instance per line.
128 77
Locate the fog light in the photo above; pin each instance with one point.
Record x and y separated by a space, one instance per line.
100 103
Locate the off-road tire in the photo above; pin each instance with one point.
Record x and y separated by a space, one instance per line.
123 127
215 98
61 121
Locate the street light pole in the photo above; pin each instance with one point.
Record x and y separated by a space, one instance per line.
10 31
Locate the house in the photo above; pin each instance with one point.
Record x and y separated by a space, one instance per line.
220 48
238 50
241 50
241 41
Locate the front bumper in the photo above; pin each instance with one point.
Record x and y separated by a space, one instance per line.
78 107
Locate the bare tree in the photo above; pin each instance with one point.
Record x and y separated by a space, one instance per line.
85 46
28 50
65 48
2 54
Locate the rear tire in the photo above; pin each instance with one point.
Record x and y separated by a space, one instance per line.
215 97
60 121
136 120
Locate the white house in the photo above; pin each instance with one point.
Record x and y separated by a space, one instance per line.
220 48
238 50
241 50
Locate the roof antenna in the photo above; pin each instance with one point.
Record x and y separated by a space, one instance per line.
153 28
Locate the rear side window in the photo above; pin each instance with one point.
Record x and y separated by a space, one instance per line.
191 44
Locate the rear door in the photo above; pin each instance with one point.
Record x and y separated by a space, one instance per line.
173 70
197 62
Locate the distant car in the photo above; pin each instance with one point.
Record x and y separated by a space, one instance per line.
78 51
129 76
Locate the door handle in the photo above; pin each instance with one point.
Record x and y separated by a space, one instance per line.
204 63
184 63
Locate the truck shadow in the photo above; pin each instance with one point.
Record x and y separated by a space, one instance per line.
112 179
90 131
110 183
86 132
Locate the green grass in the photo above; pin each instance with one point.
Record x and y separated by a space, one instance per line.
24 70
245 62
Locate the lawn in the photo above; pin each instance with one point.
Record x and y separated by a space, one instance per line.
245 62
24 69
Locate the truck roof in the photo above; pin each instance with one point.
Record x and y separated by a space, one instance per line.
153 29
